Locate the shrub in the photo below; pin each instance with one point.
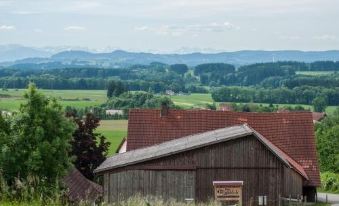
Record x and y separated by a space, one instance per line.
330 182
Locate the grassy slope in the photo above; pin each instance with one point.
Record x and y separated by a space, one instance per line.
192 100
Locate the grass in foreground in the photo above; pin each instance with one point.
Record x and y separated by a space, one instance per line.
154 201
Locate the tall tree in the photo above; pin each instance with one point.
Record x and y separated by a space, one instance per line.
115 88
37 140
88 147
179 68
319 104
328 142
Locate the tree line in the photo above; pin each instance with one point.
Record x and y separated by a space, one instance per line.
158 77
297 95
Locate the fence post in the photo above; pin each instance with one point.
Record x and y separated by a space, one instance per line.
289 200
326 199
279 200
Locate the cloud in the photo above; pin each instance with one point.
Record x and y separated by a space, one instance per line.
142 28
177 30
74 28
7 27
212 27
290 37
326 37
24 12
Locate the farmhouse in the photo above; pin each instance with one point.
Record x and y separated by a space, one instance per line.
197 155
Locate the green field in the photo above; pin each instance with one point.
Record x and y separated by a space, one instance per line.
74 98
193 100
315 73
114 131
86 98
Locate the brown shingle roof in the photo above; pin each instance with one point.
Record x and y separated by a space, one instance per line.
193 142
81 188
292 132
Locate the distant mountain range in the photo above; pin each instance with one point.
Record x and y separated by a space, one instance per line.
15 55
14 52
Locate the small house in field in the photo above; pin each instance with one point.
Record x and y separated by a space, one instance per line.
122 147
169 92
225 107
198 155
114 112
318 116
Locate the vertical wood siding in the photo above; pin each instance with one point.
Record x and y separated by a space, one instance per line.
160 183
190 174
291 184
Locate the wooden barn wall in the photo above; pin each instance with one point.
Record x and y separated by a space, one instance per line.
244 159
291 184
257 182
160 183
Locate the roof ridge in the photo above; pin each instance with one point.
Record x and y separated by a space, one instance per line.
184 146
178 147
209 110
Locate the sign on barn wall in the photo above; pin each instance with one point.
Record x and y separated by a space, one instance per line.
228 191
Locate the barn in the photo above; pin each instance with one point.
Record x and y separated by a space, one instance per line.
197 155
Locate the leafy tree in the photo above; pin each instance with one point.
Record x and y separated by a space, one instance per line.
137 100
36 141
327 133
319 104
212 106
179 68
4 125
115 88
89 148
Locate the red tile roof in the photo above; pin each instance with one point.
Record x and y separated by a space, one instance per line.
291 132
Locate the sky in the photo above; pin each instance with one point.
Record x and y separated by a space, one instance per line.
172 25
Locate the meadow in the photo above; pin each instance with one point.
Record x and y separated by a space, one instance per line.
74 98
87 98
193 100
114 131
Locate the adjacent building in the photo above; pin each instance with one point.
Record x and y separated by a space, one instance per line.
198 155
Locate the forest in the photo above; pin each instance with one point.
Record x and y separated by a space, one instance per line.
279 82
